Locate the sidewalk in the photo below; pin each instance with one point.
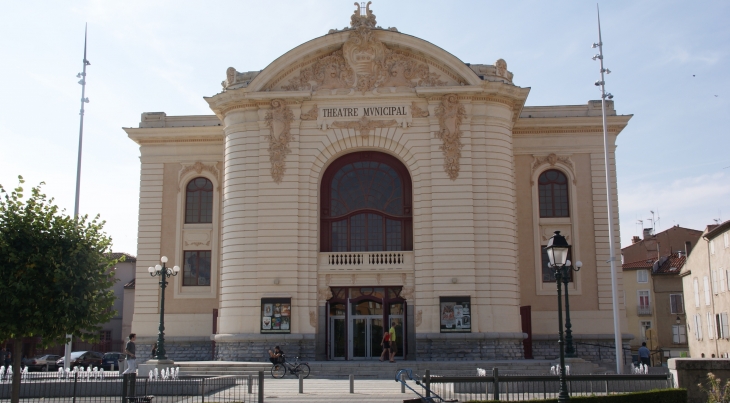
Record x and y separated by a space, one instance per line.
333 391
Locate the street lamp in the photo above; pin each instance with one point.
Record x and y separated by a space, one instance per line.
163 272
557 251
566 269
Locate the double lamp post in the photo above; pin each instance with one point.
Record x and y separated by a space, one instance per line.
164 273
557 251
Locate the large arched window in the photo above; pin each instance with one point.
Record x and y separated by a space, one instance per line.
553 190
366 204
199 201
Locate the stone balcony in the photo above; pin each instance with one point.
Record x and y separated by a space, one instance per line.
391 261
643 310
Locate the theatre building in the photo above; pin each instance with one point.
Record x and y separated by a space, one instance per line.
368 178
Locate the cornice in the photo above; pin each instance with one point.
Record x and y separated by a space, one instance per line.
163 135
570 125
230 100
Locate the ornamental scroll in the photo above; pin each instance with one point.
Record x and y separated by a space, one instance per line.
450 114
279 121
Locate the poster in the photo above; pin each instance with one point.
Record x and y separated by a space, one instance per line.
276 315
455 313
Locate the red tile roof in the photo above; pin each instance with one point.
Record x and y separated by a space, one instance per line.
639 264
672 265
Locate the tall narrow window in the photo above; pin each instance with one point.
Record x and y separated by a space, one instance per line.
366 205
644 307
553 191
676 304
710 326
678 334
706 283
698 326
696 285
196 269
199 201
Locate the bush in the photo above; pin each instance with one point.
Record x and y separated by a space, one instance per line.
652 396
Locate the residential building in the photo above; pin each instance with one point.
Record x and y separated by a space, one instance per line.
706 280
368 177
670 241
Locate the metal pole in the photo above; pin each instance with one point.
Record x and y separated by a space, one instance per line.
82 75
563 393
261 386
569 349
609 197
352 383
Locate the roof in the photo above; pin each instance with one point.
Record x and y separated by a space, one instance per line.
672 265
674 228
714 231
130 285
127 256
639 264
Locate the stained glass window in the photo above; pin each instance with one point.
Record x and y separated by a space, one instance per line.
199 201
553 190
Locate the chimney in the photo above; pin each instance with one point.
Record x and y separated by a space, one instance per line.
635 239
647 233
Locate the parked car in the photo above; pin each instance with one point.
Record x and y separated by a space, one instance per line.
112 358
83 358
42 361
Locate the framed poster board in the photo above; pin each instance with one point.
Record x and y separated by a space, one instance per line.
275 315
455 314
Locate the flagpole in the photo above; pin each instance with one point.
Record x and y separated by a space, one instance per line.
84 100
609 195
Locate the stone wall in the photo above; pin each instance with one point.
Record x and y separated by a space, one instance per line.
256 347
469 346
689 373
598 349
178 350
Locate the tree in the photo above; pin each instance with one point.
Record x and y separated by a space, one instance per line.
55 273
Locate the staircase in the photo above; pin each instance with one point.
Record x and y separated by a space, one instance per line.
367 369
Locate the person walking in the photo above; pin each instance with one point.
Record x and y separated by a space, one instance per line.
130 350
644 355
385 343
393 343
3 356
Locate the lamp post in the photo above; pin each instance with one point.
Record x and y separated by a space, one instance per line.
163 272
566 269
557 251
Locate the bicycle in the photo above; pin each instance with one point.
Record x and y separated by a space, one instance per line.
279 370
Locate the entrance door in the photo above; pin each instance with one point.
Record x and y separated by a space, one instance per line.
366 335
396 320
338 345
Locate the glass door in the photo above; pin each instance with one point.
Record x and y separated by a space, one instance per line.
396 320
338 337
367 333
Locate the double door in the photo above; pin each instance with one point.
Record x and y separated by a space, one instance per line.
358 337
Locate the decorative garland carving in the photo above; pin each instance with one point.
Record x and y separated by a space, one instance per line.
450 114
407 293
417 112
551 159
419 318
329 72
364 125
324 294
312 318
279 121
312 114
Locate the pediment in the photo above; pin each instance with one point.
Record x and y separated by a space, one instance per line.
359 59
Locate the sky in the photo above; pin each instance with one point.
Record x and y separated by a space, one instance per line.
668 60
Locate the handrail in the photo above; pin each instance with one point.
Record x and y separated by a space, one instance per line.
508 378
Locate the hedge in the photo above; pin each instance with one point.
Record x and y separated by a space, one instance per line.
652 396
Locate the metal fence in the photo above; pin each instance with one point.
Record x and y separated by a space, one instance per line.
113 388
529 387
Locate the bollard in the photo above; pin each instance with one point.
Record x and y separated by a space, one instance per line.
428 383
46 367
352 383
301 383
495 374
402 383
261 386
112 367
250 384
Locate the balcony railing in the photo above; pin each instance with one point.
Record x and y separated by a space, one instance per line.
365 260
643 310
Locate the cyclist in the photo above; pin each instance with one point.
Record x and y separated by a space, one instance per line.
276 356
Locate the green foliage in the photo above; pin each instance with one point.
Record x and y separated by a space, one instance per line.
716 393
55 271
652 396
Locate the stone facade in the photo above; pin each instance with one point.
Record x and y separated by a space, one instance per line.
469 347
472 153
598 349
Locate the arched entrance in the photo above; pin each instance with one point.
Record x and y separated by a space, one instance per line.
366 207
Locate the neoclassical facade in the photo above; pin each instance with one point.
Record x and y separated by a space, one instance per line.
369 179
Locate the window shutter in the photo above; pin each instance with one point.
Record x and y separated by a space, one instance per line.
714 282
697 292
723 319
706 283
722 280
698 326
710 326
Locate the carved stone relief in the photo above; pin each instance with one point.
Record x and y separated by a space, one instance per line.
552 159
407 293
195 238
450 114
311 115
312 318
378 278
234 79
419 318
324 293
364 63
359 20
279 122
501 68
198 167
418 112
365 125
